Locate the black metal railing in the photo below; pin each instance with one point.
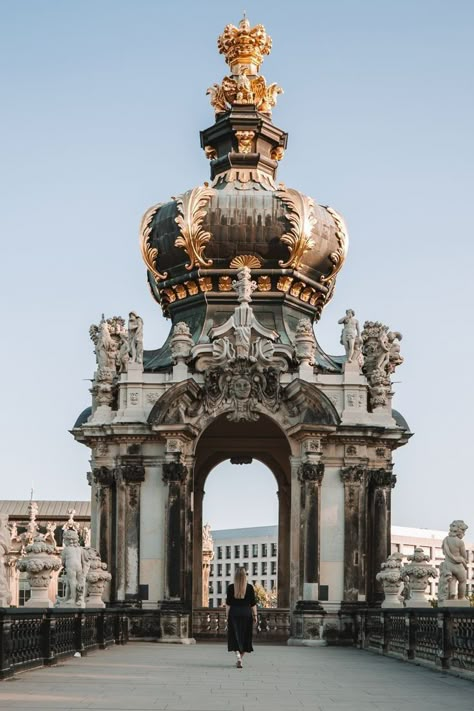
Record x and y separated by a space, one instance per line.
273 624
442 637
33 637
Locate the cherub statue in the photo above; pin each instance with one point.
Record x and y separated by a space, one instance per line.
349 333
75 561
454 566
5 544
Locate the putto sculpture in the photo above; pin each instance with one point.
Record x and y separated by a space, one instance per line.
381 351
453 569
75 560
5 543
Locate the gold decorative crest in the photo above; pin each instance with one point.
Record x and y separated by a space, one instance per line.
339 255
244 89
302 220
150 253
192 211
245 140
244 44
245 260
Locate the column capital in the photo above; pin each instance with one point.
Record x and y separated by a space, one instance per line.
354 474
131 472
311 471
103 476
174 472
382 478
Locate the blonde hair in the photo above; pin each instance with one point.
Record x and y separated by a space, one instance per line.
240 583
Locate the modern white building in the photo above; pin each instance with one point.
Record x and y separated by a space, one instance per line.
256 549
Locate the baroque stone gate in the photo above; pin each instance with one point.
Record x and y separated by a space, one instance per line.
243 267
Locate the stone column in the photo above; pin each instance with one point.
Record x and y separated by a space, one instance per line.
207 556
129 477
174 474
104 480
381 484
284 528
199 591
296 536
355 532
311 475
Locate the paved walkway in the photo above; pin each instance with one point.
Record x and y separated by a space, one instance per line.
202 677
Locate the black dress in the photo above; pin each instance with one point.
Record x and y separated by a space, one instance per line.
239 624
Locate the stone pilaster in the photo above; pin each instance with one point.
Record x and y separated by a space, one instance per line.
104 483
174 474
296 536
207 556
355 532
381 484
129 476
310 475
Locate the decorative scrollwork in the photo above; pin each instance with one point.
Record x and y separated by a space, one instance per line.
303 220
150 253
192 211
337 257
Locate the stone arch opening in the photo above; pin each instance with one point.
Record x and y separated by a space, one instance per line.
262 440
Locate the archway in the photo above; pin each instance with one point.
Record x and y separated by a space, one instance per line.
262 440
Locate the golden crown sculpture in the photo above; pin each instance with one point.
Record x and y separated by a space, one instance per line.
244 45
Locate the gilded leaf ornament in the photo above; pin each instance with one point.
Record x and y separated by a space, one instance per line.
302 220
337 257
150 253
245 260
193 238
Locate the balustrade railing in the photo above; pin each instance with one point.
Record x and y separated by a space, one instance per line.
273 624
443 637
32 638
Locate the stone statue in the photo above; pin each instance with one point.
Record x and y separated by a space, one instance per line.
305 344
207 540
70 523
454 566
381 355
86 536
181 342
349 333
49 535
123 355
243 285
394 338
76 564
135 337
104 346
5 543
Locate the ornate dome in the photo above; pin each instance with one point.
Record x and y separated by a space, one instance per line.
194 244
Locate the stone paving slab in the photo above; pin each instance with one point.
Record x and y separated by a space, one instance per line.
203 677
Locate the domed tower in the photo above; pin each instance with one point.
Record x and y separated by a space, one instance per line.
194 245
243 267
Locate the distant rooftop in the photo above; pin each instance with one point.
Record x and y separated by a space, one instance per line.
254 532
46 509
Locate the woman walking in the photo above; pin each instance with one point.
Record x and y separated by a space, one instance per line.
241 610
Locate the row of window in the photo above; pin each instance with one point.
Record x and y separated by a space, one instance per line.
245 550
434 552
220 586
225 569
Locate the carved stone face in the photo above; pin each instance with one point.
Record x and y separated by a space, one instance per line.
242 388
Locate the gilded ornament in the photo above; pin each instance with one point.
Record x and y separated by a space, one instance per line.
264 283
205 283
192 287
169 295
225 283
245 139
180 290
150 253
210 152
302 220
306 294
245 260
339 255
284 283
244 45
277 153
296 288
193 239
218 98
244 89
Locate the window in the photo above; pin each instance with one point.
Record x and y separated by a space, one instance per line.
24 592
236 567
219 587
246 566
274 549
219 552
219 602
254 550
246 551
227 551
211 603
211 570
219 569
264 550
227 569
211 589
236 551
264 568
254 568
274 567
264 584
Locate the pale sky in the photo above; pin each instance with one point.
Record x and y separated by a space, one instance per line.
102 103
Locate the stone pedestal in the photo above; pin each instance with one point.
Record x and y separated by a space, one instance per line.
307 625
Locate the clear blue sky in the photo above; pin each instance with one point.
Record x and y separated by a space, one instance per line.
102 103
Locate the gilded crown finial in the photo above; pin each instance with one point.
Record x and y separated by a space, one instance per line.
244 47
